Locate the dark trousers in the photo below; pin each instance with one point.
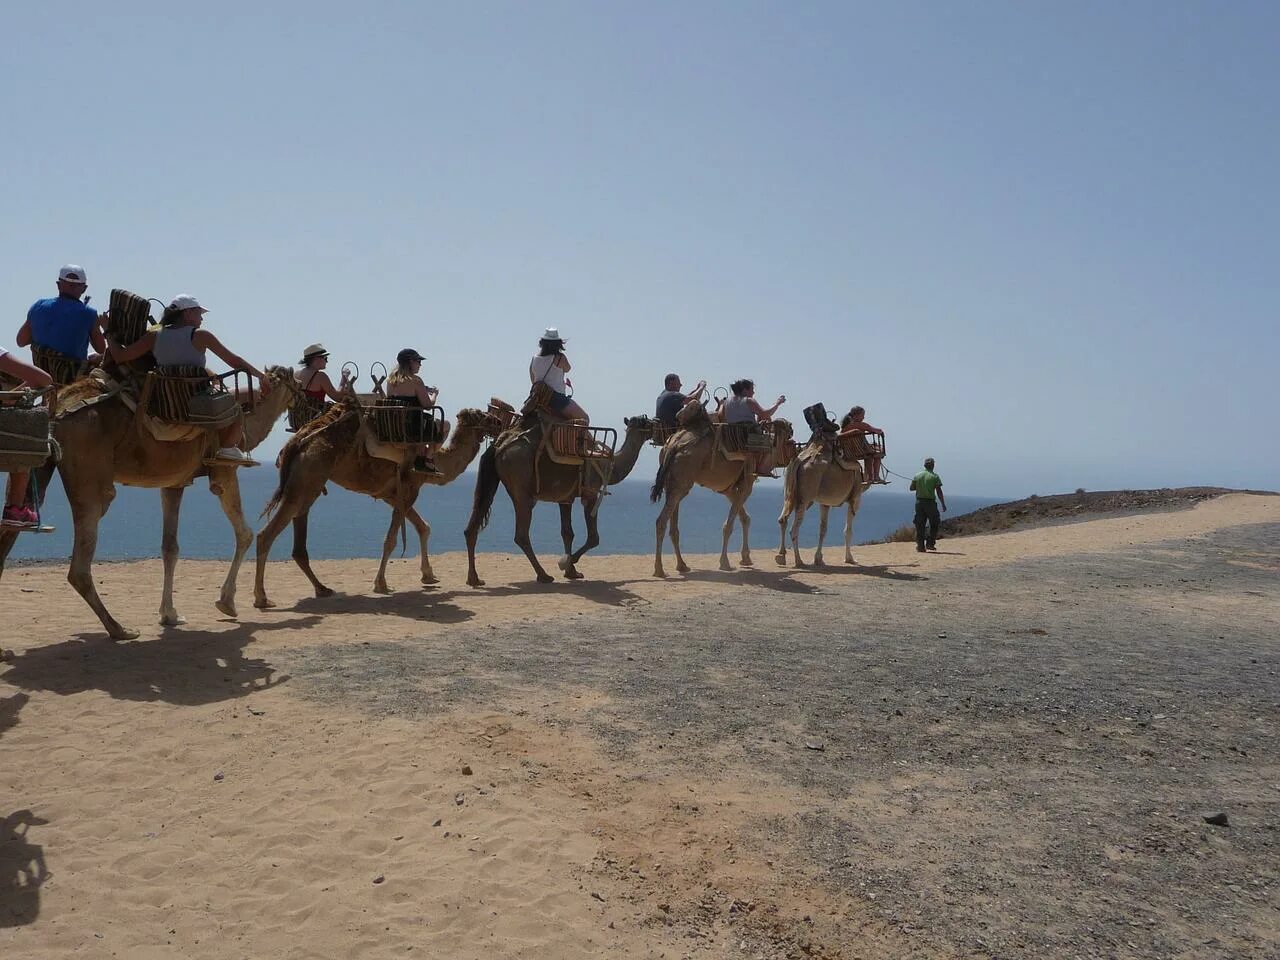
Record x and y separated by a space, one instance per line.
927 512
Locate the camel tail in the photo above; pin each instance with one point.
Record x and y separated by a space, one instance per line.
287 456
659 482
486 489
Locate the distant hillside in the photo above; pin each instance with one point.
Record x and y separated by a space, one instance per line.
1067 507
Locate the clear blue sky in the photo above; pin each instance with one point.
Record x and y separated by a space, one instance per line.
1037 241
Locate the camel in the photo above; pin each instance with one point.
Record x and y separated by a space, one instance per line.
510 461
818 476
105 444
332 448
690 456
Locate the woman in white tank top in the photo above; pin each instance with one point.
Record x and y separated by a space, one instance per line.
549 365
181 342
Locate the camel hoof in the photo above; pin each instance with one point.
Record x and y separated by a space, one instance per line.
725 565
780 559
683 568
546 578
819 562
474 582
381 588
573 575
430 578
745 562
172 620
851 561
564 563
264 604
123 633
227 607
321 593
660 574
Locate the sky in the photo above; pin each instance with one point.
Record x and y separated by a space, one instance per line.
1037 241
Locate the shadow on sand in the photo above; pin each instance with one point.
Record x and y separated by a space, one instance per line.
778 579
184 667
419 604
882 571
22 870
9 707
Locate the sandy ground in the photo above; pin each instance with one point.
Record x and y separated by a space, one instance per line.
1004 749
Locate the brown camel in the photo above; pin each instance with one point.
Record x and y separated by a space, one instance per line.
104 444
818 475
510 461
332 448
690 456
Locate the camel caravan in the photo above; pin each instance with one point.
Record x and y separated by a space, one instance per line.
144 409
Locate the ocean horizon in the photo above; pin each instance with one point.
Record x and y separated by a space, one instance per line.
347 525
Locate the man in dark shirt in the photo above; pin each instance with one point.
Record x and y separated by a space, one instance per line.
671 401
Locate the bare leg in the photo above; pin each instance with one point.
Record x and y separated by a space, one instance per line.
227 484
171 503
824 512
424 534
524 517
302 558
471 534
848 531
574 412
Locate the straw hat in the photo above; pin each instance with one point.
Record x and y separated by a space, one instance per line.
315 350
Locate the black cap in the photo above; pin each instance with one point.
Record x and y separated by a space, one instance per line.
408 354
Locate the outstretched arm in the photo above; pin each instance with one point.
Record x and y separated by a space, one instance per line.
763 413
135 350
696 392
233 360
29 375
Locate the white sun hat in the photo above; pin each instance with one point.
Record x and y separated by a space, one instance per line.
552 333
184 301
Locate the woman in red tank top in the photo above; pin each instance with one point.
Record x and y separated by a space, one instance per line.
315 383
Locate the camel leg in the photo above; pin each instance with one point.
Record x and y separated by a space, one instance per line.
424 534
824 512
745 519
524 518
667 513
295 504
798 521
303 558
227 484
171 503
787 508
388 544
591 515
848 530
727 531
85 516
565 562
681 566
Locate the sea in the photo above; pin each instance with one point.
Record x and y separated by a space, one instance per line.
348 525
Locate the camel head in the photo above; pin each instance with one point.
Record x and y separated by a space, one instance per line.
782 430
640 424
469 418
282 378
693 415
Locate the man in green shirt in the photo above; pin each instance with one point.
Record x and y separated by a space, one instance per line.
928 488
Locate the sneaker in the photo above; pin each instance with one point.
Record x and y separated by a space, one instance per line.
32 517
235 455
919 549
423 465
17 516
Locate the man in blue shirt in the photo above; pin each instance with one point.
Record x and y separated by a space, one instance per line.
61 329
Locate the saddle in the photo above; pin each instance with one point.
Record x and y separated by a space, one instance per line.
738 441
25 442
572 443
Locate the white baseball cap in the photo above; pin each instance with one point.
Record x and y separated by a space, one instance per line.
72 274
184 301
